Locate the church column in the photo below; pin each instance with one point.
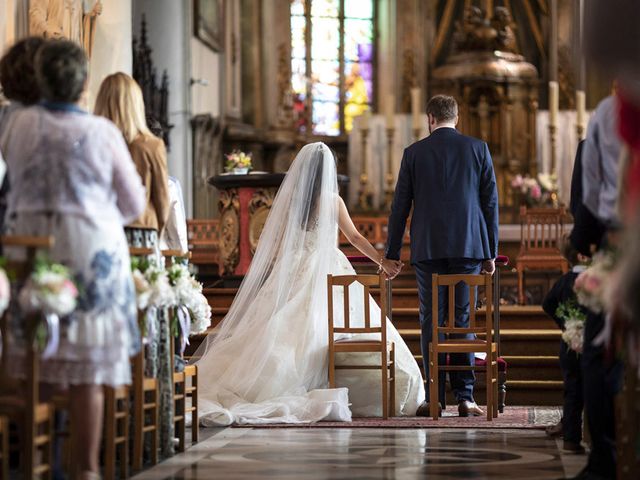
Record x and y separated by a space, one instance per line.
169 28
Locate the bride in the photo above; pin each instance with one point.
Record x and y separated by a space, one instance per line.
267 361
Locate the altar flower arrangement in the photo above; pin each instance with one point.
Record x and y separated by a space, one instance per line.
593 286
238 162
574 318
49 289
538 191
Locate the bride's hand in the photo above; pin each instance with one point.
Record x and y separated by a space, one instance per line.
391 267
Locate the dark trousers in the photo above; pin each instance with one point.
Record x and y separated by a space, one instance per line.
602 379
461 381
573 394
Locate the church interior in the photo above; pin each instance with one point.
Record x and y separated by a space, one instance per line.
234 90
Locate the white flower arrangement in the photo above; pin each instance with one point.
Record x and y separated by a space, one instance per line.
49 289
188 292
574 318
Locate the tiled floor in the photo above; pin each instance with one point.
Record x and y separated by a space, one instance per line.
351 454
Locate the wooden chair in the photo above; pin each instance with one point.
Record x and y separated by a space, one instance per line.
146 400
386 349
116 431
4 448
22 405
455 345
541 236
204 241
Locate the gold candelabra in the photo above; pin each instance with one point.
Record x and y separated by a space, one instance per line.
388 193
364 199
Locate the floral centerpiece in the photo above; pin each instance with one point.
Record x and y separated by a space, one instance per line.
593 286
574 318
238 162
49 289
188 294
536 192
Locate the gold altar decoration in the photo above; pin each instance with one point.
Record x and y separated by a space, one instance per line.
229 230
259 207
497 92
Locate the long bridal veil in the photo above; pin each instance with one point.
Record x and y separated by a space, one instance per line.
264 361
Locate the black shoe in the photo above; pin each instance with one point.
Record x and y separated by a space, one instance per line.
467 408
425 411
572 447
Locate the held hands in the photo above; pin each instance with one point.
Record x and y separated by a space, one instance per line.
489 266
391 267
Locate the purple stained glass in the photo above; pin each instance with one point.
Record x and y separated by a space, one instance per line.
358 40
325 118
358 82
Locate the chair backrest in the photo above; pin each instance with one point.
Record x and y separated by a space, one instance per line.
367 281
21 269
541 229
171 255
203 233
473 281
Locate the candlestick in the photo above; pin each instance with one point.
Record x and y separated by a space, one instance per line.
388 193
553 42
364 199
553 103
416 108
581 112
390 112
552 138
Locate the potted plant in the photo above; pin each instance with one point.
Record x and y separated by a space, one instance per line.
238 162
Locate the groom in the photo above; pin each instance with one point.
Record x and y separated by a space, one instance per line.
449 181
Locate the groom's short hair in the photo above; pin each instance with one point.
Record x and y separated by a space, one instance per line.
444 108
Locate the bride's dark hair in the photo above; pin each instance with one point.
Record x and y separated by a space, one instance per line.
311 216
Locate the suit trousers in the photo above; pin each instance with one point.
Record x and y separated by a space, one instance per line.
602 378
573 394
461 381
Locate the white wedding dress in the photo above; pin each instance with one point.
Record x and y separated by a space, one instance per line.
267 362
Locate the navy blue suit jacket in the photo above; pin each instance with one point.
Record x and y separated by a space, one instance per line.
449 180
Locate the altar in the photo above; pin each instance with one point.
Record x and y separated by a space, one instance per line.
244 205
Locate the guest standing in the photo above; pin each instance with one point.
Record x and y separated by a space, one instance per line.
120 100
449 181
20 87
72 178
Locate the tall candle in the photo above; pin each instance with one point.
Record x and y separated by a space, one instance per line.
391 111
364 119
416 108
553 103
581 108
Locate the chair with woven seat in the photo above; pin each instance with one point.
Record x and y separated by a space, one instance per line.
116 431
541 231
145 398
385 348
21 404
454 341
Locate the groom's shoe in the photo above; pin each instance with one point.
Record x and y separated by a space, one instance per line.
467 408
424 411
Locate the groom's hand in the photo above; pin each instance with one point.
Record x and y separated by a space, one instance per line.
391 267
489 266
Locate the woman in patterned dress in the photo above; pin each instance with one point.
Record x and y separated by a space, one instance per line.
72 177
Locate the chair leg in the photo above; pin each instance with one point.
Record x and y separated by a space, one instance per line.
195 420
489 385
138 432
495 386
124 446
433 384
4 447
385 383
109 437
520 285
155 422
332 370
392 384
502 391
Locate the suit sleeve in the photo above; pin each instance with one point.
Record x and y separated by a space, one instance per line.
402 201
576 181
489 201
553 299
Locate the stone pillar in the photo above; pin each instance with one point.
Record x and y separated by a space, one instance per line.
169 27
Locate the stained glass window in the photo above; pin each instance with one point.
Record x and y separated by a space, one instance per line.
332 52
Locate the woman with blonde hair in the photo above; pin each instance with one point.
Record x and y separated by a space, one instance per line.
120 100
